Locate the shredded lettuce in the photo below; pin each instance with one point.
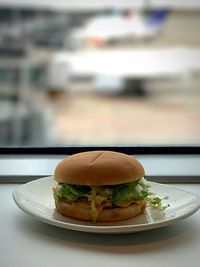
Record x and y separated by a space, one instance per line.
70 192
133 191
125 192
138 190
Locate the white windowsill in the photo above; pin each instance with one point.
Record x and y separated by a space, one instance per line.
168 168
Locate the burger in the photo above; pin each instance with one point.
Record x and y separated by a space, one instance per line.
100 186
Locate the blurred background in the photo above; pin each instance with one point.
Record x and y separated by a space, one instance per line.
99 72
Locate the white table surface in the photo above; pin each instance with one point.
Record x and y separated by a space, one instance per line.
27 242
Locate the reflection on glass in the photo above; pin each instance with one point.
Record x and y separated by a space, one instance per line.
86 77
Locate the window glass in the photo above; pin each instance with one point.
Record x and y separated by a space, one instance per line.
100 76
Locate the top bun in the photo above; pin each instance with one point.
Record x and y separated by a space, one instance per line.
96 168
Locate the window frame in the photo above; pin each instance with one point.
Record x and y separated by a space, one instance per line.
134 149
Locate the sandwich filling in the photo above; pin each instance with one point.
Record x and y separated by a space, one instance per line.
97 198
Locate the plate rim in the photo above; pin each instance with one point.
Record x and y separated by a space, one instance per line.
107 229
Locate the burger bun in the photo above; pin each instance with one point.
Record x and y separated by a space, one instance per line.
97 168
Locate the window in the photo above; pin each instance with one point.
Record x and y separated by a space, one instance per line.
125 77
100 76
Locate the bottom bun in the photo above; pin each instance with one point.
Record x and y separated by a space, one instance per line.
105 215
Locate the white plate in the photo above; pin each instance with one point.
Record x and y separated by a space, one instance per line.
36 199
